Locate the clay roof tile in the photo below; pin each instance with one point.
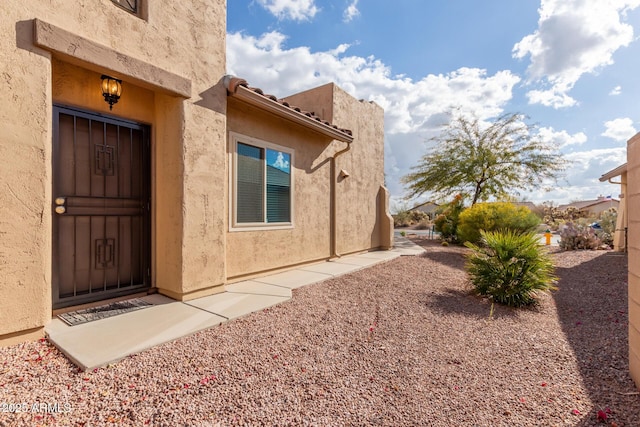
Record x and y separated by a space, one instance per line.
232 83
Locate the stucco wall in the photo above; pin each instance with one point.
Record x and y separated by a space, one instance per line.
78 87
361 220
601 207
183 43
309 240
359 217
25 221
633 208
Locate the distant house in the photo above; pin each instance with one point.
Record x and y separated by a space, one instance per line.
593 207
619 239
531 206
429 208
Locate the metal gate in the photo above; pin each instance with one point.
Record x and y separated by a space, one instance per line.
101 209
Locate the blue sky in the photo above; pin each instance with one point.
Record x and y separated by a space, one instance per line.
279 160
571 66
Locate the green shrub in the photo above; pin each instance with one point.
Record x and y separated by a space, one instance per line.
494 216
578 236
401 219
409 218
510 267
608 222
423 225
555 218
418 216
446 223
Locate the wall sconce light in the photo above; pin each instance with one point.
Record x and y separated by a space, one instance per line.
111 90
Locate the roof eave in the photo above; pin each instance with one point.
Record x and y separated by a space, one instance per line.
614 172
247 95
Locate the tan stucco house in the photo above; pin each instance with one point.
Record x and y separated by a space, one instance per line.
594 207
430 208
188 181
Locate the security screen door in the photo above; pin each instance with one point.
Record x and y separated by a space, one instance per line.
101 207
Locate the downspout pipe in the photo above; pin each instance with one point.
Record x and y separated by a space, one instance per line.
334 197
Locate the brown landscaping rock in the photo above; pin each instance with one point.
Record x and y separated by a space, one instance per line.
403 343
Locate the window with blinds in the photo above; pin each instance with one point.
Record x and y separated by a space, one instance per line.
262 184
250 184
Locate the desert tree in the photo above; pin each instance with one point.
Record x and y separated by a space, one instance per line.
481 160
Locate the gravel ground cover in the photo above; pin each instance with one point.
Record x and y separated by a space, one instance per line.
403 343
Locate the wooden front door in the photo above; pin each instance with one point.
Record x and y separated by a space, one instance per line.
101 207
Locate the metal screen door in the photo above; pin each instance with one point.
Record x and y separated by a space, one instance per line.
101 207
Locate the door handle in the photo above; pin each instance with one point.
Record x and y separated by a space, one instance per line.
60 209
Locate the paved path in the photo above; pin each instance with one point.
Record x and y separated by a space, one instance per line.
555 239
98 343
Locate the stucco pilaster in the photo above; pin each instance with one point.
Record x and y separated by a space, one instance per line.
633 208
25 176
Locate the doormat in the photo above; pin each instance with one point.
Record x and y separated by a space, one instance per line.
86 315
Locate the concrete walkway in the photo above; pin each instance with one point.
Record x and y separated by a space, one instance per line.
101 342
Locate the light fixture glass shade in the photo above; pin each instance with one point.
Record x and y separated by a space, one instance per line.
111 90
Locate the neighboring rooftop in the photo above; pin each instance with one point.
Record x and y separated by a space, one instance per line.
426 207
582 204
532 206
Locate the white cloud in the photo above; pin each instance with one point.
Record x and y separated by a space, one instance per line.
415 110
619 129
562 138
582 176
281 163
297 10
574 37
410 106
551 98
616 90
584 160
351 11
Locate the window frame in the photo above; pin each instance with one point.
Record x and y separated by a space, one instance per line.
140 11
234 225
